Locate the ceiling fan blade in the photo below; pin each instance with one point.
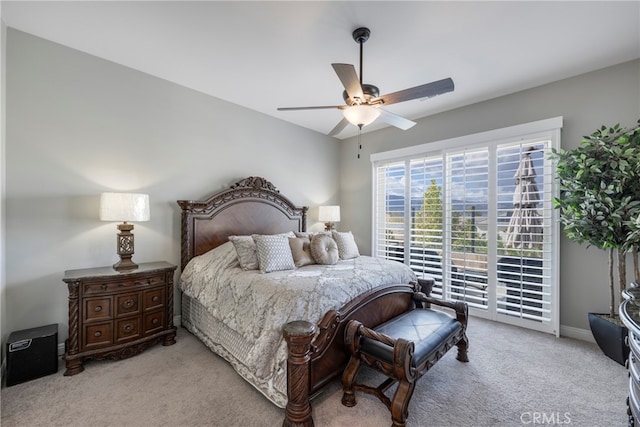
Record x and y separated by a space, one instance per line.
424 91
395 120
347 75
336 130
322 107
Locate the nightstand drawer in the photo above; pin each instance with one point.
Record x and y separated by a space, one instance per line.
97 335
127 304
153 322
93 288
153 299
97 309
127 329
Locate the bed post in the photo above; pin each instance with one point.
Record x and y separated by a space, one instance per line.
298 335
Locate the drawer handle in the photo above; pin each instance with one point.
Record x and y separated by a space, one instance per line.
97 334
128 303
128 327
155 299
154 321
98 309
104 286
148 282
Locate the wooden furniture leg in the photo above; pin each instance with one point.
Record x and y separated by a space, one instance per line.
298 335
351 371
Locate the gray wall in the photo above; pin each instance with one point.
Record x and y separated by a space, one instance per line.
78 125
3 282
586 102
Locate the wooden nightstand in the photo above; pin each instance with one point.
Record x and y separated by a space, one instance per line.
114 315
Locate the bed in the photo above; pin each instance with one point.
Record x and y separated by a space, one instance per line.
293 345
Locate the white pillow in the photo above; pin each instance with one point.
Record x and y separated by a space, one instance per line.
347 248
246 250
274 253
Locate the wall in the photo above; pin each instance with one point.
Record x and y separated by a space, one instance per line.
3 282
78 125
607 96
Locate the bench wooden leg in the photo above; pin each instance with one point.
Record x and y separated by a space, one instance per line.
352 343
400 403
348 377
463 346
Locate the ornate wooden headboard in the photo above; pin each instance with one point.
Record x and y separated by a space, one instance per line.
250 206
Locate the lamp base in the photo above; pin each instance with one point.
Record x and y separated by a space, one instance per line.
125 248
329 226
125 264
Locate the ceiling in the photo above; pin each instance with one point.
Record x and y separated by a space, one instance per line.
263 55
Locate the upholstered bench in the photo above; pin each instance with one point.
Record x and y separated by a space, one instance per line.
403 349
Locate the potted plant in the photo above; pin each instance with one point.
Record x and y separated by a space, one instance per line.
599 198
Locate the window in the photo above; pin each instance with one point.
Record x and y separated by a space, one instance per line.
476 214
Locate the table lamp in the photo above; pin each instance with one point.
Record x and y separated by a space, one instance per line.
329 215
124 207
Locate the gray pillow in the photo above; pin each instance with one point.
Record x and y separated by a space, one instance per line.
246 250
347 248
301 251
324 249
274 253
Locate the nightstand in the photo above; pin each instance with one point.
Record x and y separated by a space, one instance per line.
114 315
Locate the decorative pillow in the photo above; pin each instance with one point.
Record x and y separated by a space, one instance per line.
246 249
310 234
324 249
274 253
347 248
300 249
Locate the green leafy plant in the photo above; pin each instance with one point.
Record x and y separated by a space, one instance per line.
599 195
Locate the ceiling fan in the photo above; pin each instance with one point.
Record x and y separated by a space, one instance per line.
364 100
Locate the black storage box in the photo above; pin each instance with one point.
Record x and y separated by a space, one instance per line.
32 353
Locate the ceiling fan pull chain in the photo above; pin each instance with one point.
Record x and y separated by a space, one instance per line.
359 139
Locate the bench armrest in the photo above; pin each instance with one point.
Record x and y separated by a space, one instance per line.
460 307
355 329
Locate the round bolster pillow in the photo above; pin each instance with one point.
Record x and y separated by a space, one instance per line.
324 249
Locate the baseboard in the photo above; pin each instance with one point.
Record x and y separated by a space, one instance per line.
577 333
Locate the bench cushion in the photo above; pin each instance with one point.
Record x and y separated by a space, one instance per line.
426 328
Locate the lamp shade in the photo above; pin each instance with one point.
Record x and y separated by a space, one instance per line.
124 207
329 213
361 115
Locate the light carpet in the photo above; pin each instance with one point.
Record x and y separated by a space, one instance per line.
515 377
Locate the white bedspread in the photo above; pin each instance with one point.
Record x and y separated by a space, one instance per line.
255 306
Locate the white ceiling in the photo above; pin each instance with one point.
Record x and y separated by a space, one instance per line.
264 55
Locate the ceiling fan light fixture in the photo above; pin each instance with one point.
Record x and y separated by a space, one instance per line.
361 115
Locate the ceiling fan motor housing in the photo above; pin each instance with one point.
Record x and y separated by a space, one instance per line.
370 92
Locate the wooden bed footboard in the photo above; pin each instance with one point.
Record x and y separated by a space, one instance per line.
317 353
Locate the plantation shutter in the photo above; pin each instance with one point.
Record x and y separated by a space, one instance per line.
476 214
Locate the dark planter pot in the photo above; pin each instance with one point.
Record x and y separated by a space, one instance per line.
610 337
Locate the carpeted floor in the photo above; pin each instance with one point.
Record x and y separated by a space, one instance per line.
515 377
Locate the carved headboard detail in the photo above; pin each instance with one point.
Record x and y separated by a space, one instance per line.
252 205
